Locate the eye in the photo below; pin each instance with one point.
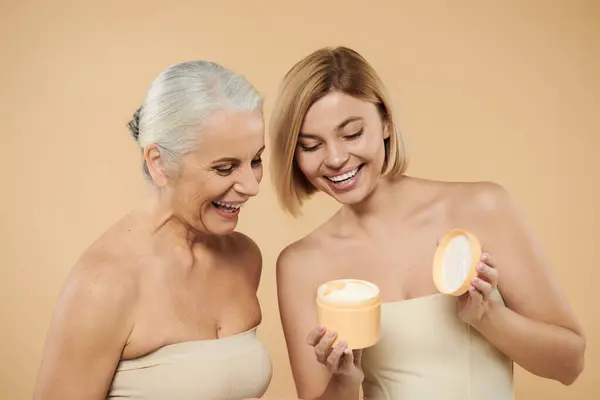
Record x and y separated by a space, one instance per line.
257 162
355 135
308 148
224 170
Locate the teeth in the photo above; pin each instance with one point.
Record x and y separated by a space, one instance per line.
231 207
347 175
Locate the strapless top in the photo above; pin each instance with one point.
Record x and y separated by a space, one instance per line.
427 353
230 368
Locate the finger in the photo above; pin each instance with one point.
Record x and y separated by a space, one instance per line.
323 348
315 335
348 359
475 295
488 274
357 356
483 287
334 358
488 259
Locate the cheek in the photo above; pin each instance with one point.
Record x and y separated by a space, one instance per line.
258 173
372 147
201 188
308 163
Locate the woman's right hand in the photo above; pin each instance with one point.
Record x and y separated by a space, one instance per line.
339 359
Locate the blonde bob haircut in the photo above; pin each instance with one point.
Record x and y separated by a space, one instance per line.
321 72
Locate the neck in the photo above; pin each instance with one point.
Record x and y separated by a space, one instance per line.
383 199
162 221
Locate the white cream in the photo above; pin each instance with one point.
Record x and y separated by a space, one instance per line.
352 292
456 262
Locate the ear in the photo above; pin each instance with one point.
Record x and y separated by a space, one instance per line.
387 129
155 165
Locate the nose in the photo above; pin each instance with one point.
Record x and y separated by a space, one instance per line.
336 156
248 184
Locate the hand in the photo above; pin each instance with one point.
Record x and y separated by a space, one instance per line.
339 360
473 305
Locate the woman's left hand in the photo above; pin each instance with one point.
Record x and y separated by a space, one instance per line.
473 305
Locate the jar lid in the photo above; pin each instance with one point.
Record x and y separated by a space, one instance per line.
455 262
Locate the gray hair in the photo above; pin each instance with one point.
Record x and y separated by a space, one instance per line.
180 99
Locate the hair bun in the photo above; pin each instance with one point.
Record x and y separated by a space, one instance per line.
134 124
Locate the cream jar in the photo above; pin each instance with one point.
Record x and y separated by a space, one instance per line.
352 308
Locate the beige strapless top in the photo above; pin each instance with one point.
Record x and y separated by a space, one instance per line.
427 353
231 368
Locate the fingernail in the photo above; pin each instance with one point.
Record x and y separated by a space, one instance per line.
475 280
347 351
320 327
484 257
480 267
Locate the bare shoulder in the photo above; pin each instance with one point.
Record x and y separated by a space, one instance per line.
483 197
102 274
248 253
482 206
90 326
246 246
478 200
302 255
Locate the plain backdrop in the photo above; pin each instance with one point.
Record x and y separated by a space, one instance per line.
506 91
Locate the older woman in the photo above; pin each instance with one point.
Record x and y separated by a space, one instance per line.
163 305
333 131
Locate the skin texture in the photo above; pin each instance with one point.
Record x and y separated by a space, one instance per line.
392 226
172 270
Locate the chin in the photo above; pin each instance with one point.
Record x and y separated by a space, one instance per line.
220 228
223 231
216 225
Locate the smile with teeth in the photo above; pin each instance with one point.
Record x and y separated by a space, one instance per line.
344 177
228 207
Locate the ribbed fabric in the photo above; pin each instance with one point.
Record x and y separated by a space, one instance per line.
428 353
231 368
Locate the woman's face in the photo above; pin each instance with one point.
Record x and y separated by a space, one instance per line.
341 147
222 174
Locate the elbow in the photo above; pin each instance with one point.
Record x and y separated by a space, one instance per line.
573 368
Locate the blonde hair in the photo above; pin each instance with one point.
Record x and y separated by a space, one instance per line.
321 72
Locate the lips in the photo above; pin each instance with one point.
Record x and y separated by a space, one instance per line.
227 207
345 176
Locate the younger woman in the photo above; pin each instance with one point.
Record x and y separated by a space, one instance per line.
333 130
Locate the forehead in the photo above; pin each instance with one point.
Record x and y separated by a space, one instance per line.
327 112
236 134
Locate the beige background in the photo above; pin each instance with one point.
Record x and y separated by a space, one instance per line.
508 93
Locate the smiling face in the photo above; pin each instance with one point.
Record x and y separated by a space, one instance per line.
341 148
223 173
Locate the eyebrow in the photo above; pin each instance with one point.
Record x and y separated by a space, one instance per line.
233 159
339 126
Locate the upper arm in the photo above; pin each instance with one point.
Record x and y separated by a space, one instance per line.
89 328
298 317
526 279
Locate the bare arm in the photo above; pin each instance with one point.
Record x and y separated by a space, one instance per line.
297 309
537 329
88 331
